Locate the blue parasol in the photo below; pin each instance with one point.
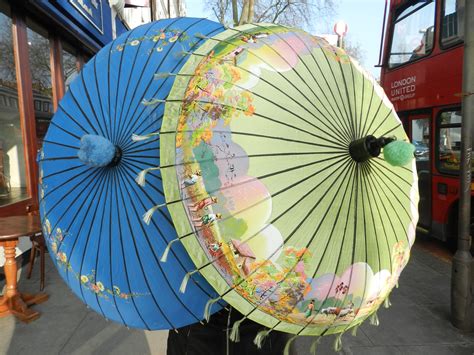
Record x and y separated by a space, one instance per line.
92 207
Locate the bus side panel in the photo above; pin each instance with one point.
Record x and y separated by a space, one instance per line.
445 193
429 82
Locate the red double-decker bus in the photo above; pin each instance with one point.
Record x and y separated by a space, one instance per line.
422 75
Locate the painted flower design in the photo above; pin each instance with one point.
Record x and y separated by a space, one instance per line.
59 234
47 225
62 257
84 279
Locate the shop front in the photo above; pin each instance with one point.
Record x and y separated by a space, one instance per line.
43 45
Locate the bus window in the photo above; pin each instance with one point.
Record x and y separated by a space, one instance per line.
452 27
449 144
420 136
413 33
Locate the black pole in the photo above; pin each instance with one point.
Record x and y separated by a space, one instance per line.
461 296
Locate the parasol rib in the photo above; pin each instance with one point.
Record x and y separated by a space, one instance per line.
101 229
126 171
310 241
138 120
323 76
64 111
124 259
369 108
100 188
348 163
310 89
132 96
115 139
342 130
68 132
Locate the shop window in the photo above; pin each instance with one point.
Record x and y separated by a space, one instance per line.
69 65
413 33
452 25
13 181
40 68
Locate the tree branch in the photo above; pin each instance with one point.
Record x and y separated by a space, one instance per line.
245 13
235 12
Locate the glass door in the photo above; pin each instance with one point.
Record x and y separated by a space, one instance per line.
420 135
13 169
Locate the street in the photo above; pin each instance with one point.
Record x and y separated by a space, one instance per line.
417 322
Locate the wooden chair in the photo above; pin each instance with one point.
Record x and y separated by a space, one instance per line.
37 245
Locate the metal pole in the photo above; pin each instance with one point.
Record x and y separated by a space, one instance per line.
461 296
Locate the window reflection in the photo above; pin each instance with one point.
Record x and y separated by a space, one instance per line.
420 132
413 33
452 28
69 68
40 68
449 145
13 182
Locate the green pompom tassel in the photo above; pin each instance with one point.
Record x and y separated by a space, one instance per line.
398 153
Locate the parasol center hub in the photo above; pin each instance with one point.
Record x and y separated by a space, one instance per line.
98 151
367 147
117 157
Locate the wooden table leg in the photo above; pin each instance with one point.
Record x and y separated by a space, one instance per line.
12 301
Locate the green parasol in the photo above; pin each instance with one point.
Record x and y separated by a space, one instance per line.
270 143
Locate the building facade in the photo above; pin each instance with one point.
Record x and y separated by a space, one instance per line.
138 12
43 45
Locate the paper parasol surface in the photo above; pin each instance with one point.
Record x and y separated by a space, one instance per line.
91 206
270 141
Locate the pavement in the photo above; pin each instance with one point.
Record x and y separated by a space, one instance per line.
416 323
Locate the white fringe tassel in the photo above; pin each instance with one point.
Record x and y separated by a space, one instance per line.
207 308
286 351
261 335
374 319
163 75
314 345
152 102
140 179
164 257
387 303
137 137
234 334
184 283
338 343
147 216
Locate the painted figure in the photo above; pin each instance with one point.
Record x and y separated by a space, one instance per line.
194 207
309 309
207 219
190 180
214 248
